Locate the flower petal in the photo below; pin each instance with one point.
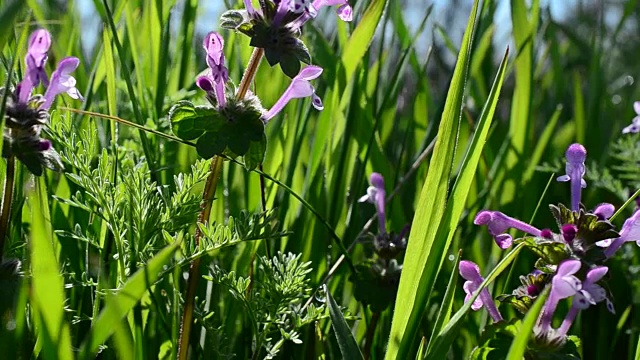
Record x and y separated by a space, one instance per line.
568 267
470 271
594 275
636 107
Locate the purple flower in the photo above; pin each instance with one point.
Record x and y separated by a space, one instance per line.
576 155
62 81
630 232
635 125
563 285
590 294
300 87
498 223
344 11
377 195
39 44
471 272
604 211
252 11
214 80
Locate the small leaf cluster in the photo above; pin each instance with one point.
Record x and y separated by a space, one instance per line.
234 130
273 299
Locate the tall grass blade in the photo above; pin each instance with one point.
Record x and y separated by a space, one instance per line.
417 277
348 346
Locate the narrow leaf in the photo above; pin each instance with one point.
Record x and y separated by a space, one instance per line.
346 342
519 344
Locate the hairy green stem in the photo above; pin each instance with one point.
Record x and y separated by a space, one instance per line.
205 213
7 197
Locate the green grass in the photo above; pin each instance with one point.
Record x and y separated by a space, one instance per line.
454 124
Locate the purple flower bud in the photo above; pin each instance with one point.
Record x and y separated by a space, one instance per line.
300 87
604 211
576 155
498 223
569 232
344 10
471 272
62 81
635 125
547 234
44 145
377 195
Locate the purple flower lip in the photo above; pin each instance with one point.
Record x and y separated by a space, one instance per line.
604 211
300 87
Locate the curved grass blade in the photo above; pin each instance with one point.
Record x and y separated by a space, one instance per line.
442 342
48 297
348 346
519 344
118 305
417 277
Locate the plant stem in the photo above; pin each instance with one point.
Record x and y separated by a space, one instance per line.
371 329
205 214
194 268
6 202
250 72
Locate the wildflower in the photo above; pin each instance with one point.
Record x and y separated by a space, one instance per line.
563 285
213 82
300 87
276 28
498 223
26 113
523 296
635 125
471 272
590 294
377 195
575 155
630 232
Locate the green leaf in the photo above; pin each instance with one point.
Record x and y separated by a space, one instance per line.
362 36
119 304
348 346
47 297
521 341
255 154
424 254
447 302
189 122
8 14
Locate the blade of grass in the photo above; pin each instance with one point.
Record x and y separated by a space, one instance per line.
9 12
118 305
348 346
48 297
444 314
430 211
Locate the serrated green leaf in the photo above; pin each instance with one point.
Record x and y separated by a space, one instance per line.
255 154
189 122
